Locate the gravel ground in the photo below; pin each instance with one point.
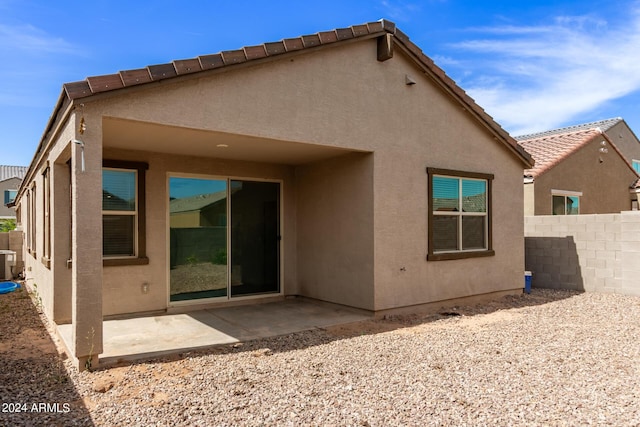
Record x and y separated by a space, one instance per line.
551 358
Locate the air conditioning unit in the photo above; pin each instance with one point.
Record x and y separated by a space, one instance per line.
7 261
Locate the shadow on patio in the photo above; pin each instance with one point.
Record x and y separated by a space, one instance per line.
244 328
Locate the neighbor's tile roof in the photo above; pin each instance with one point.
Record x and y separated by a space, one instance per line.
7 172
551 148
603 125
195 203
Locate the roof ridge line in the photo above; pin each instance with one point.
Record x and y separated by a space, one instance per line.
568 129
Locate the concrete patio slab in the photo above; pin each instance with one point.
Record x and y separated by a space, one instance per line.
151 336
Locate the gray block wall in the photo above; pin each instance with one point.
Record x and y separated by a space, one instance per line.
595 253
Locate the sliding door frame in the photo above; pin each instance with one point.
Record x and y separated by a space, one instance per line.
227 297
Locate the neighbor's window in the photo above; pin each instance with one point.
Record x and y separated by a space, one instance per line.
460 214
10 196
636 165
565 202
123 225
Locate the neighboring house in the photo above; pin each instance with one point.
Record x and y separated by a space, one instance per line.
330 150
590 168
10 179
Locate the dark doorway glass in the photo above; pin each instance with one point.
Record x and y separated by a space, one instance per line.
255 237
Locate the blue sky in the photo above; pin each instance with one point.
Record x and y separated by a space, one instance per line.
532 65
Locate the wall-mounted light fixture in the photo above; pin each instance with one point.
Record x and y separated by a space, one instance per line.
603 147
81 144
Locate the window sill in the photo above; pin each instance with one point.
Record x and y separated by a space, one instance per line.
118 262
46 262
445 256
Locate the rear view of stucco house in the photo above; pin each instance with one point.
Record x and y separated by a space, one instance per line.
10 179
590 168
342 166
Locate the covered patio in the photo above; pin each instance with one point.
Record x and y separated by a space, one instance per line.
130 339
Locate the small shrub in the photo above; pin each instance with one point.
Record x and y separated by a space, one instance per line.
220 257
7 225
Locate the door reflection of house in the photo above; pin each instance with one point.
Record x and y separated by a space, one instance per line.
199 246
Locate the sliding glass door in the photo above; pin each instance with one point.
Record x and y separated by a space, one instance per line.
211 256
198 238
255 237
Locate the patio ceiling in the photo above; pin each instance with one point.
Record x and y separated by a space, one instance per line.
143 136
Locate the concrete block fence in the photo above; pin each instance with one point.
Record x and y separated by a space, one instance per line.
595 253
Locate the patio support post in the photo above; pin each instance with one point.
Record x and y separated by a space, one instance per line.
86 243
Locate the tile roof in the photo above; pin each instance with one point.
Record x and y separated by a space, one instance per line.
550 149
153 73
7 172
196 203
129 78
604 125
78 91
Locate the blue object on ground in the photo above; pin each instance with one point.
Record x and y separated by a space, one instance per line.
6 287
527 282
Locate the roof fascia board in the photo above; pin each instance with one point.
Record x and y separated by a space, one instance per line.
50 134
624 159
214 71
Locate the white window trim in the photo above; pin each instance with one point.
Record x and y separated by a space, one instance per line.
566 193
461 214
456 255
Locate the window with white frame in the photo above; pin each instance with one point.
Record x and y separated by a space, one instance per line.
119 212
636 165
459 214
565 202
123 213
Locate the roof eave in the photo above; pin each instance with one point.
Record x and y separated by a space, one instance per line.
54 120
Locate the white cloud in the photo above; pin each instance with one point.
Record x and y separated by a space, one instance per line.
29 39
536 78
38 60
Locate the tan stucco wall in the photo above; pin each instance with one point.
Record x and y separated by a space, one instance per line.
626 141
8 184
529 199
335 226
604 185
369 209
37 274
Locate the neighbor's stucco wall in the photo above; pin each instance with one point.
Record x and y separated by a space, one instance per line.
626 141
8 184
529 199
603 179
